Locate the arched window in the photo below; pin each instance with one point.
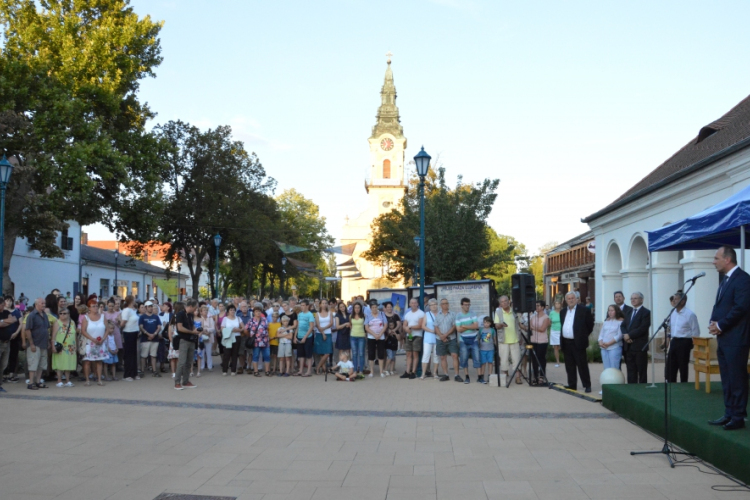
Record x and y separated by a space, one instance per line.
386 169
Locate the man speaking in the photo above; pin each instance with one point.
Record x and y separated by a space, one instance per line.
730 322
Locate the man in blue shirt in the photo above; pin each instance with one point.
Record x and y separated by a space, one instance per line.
149 324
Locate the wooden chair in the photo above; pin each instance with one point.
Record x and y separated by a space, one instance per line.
704 360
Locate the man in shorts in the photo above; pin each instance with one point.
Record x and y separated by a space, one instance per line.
37 335
413 324
150 325
447 343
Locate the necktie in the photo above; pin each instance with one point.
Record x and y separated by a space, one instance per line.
633 316
721 286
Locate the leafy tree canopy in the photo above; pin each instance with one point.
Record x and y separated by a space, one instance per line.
457 241
70 115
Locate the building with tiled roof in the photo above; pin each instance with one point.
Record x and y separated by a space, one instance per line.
712 166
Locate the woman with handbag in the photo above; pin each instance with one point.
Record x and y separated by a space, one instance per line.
258 334
231 336
64 358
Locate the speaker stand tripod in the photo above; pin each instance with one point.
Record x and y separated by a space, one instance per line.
528 352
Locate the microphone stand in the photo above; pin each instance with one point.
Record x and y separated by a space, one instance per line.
667 448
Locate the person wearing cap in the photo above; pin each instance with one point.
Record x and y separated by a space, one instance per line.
149 325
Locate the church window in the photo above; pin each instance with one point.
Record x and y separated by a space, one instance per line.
386 169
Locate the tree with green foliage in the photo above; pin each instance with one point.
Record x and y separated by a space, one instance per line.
457 242
71 119
215 186
303 226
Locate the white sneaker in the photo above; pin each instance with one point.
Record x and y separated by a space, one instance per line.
41 380
370 375
129 379
70 384
383 375
137 377
28 382
557 365
60 384
234 373
224 374
173 375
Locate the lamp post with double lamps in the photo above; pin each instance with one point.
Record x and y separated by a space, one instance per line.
422 161
217 243
6 168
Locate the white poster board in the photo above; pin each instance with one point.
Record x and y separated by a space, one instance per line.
478 292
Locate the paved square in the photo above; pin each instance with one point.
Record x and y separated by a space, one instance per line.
305 439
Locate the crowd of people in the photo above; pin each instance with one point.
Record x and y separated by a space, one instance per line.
91 340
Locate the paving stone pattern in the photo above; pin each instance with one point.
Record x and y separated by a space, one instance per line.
304 439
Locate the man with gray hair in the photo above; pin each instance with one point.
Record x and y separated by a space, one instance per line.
635 337
577 325
37 334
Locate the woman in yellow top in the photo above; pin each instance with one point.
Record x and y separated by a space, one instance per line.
273 329
358 339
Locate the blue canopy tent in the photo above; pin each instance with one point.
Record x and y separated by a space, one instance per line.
722 224
719 225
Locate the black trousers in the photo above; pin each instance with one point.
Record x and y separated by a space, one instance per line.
130 352
678 359
733 370
229 357
541 353
637 362
575 359
15 346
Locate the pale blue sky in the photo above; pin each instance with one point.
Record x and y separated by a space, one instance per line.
568 103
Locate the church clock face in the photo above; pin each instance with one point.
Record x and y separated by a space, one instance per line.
386 144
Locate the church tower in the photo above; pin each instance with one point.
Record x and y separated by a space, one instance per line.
385 186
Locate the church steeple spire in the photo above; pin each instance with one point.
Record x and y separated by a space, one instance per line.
388 119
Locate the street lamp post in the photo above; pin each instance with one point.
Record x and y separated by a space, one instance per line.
6 168
117 256
217 242
283 275
422 160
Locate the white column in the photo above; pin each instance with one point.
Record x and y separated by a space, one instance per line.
703 294
635 281
611 282
666 283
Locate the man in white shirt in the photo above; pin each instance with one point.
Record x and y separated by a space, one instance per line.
414 326
683 326
577 325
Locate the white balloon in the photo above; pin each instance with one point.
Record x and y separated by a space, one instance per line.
612 376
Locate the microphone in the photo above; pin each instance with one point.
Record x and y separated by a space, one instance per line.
699 275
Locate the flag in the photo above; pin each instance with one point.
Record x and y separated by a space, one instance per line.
285 248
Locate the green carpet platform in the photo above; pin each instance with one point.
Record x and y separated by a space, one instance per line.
690 411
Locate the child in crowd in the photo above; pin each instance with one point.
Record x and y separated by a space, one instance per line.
111 361
273 328
487 336
284 335
345 368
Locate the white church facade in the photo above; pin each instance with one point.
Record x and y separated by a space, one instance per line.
707 170
385 187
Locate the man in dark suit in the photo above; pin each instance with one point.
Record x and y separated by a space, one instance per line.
627 311
730 322
577 325
635 337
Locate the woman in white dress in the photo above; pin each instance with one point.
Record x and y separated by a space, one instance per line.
94 331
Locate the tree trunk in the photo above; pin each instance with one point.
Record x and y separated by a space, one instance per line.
10 243
263 276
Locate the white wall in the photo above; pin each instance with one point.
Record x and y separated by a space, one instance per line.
36 277
624 228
